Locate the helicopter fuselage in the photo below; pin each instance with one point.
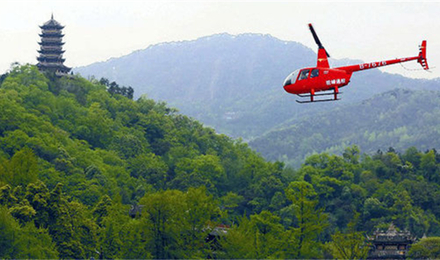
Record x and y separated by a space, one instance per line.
311 80
307 81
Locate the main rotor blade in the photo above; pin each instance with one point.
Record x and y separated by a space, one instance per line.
318 42
315 36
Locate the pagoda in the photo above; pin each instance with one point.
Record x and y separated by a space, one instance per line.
391 244
51 51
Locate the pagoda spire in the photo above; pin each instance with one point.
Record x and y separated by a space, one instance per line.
51 51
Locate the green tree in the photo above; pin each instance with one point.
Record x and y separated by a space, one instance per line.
238 242
70 225
204 170
119 235
35 243
26 241
310 221
259 237
149 167
96 128
7 197
352 154
230 202
9 231
200 216
22 169
23 212
163 212
102 208
426 248
110 238
413 156
348 245
134 235
129 145
268 235
429 167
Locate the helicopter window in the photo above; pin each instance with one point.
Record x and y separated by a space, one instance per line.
304 74
315 73
291 79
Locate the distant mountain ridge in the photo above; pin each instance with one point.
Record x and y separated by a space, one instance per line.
218 79
234 83
399 118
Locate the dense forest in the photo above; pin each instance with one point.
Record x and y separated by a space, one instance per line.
400 118
88 172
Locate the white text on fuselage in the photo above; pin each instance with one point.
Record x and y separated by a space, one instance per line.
335 82
372 65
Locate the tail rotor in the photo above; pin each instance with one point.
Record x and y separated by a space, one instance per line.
422 56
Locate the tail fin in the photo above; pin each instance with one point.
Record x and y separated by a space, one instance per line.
422 56
322 58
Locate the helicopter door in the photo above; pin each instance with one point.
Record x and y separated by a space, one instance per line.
304 74
315 80
314 73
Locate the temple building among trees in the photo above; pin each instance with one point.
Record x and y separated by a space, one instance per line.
51 48
391 244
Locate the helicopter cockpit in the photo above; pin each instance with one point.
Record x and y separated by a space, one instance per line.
291 79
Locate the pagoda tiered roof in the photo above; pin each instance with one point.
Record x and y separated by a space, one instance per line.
52 23
51 52
46 50
47 43
52 58
51 34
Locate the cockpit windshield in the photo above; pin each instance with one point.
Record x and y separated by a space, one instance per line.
291 79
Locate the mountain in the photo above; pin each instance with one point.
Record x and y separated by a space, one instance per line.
79 132
74 157
86 172
399 118
233 83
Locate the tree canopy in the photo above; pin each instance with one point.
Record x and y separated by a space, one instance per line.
89 173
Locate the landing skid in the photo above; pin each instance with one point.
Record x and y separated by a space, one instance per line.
313 100
317 100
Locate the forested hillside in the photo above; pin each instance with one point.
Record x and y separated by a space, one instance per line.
75 158
234 83
399 118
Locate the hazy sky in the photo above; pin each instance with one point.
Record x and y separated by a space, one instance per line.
99 30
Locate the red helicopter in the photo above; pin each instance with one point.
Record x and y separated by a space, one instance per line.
307 82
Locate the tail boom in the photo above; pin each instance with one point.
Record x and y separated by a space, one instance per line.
371 65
